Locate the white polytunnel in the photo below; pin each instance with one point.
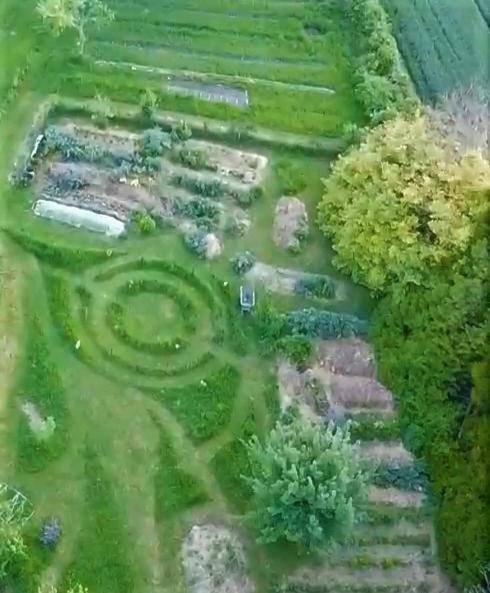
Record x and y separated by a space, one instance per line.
80 218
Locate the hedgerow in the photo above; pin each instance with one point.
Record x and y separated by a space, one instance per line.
62 256
324 324
382 85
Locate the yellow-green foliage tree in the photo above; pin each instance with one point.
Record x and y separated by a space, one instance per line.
402 203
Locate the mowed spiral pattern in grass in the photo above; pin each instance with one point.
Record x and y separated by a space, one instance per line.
144 322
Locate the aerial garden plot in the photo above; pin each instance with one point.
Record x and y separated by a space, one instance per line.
176 339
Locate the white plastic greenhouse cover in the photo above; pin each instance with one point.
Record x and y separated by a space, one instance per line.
78 217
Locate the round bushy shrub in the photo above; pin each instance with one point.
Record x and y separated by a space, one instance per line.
145 223
196 241
295 348
50 533
243 262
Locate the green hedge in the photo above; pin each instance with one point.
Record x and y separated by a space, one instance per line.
62 256
382 85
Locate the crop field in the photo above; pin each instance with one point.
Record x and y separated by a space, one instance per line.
444 43
130 377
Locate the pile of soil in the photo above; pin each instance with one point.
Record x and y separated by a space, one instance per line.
290 223
214 561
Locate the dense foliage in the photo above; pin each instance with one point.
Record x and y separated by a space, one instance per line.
382 85
307 483
403 203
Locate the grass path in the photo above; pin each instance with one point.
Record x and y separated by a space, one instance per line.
11 331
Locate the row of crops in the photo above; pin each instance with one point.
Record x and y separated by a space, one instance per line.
445 43
296 44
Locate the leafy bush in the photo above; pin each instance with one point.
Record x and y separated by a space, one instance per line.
148 103
315 286
243 262
50 533
297 349
307 483
13 517
317 323
247 198
205 212
374 428
181 132
196 241
291 178
193 159
145 222
404 476
408 189
208 189
68 180
154 143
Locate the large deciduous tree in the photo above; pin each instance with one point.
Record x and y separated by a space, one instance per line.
307 483
403 202
74 14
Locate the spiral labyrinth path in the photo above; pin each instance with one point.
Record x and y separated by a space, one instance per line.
148 323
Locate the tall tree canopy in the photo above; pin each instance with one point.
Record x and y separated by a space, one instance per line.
402 203
307 483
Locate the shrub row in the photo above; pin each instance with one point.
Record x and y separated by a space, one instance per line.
313 285
317 323
411 476
62 256
382 85
115 321
367 428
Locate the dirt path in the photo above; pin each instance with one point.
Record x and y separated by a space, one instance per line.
204 76
11 324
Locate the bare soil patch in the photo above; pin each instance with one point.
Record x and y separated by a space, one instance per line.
389 453
400 498
347 356
100 191
214 561
349 391
285 280
217 93
290 223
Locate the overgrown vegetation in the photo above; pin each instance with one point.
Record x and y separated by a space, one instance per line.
408 216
